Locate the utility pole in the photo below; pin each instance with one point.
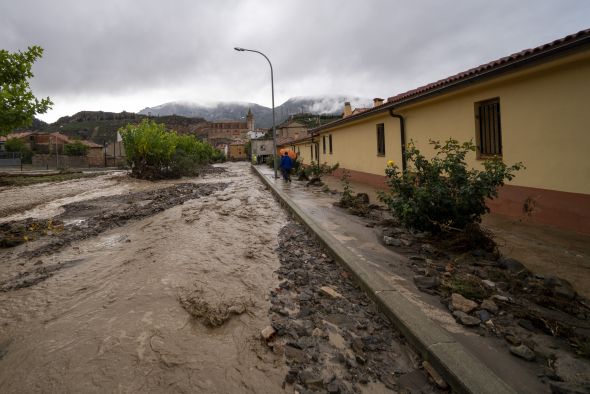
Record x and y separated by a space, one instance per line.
272 86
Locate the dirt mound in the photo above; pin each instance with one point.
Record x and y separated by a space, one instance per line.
213 315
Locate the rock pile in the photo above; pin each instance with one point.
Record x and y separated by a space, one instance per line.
541 318
332 335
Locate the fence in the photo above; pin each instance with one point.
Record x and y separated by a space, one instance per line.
60 161
9 159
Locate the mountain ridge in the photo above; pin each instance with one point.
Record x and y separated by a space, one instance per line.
329 105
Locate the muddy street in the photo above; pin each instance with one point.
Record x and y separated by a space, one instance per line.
124 294
195 285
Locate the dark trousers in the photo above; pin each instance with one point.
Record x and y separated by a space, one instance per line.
286 174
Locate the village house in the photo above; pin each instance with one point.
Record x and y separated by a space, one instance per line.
261 149
226 131
237 151
527 107
47 146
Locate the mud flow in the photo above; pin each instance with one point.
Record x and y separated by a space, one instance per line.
112 284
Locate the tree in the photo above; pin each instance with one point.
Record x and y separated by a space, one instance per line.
18 145
18 105
155 153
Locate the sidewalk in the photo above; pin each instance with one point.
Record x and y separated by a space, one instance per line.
468 362
543 249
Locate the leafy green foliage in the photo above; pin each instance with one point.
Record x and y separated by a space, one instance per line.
248 148
270 161
18 105
355 203
347 195
442 193
14 145
18 145
315 172
155 153
75 148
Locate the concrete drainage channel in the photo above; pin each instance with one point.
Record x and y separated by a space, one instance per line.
462 371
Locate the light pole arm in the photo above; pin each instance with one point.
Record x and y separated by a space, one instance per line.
272 87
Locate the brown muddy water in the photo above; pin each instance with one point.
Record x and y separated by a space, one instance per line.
103 312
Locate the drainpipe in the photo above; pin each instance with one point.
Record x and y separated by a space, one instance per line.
402 128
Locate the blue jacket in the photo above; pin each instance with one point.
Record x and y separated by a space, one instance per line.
286 162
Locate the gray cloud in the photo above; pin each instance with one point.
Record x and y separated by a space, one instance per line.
127 52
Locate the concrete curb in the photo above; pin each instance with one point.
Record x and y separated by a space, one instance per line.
460 369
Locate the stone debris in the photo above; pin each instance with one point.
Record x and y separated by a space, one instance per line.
490 306
267 333
499 297
426 282
390 241
488 283
460 303
440 382
523 351
330 292
335 338
465 319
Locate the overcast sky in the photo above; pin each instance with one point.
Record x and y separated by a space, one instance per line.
116 55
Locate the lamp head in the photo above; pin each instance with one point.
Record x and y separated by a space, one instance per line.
239 49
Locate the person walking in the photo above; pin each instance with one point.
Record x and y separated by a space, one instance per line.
286 165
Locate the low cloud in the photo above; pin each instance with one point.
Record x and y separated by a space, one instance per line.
183 50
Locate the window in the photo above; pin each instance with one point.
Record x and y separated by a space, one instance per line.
311 151
330 143
317 152
324 144
381 139
489 129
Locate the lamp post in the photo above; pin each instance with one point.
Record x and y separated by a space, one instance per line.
272 86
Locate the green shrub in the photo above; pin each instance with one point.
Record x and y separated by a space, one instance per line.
14 145
75 149
18 145
155 153
269 161
442 193
315 172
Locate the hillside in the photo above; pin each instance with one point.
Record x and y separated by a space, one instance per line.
99 126
329 105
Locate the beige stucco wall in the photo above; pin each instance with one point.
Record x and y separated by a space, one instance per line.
302 150
544 125
354 146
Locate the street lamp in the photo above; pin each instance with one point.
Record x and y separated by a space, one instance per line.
272 86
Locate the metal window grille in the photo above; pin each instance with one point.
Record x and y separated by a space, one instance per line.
381 139
330 143
490 128
324 144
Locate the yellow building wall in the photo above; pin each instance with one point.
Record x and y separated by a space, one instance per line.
544 125
354 146
303 151
543 118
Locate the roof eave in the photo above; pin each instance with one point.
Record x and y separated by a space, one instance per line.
533 58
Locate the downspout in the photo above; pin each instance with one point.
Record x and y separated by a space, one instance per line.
402 128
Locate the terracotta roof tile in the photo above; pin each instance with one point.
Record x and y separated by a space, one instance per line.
568 42
493 65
